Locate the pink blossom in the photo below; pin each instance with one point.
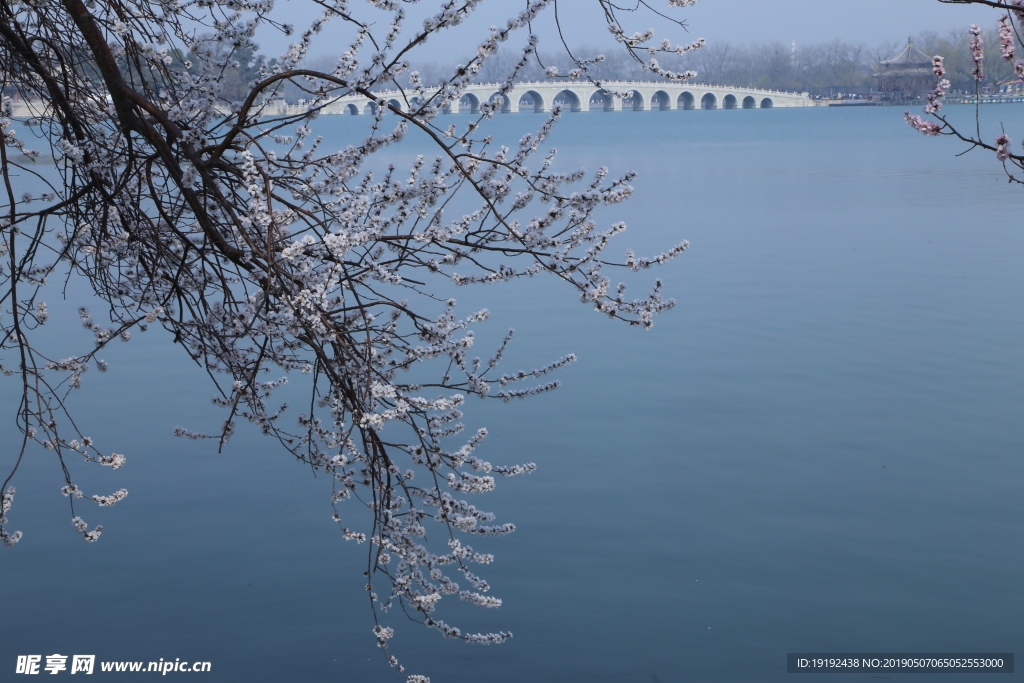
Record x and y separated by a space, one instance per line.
1002 147
977 52
926 127
1006 38
935 97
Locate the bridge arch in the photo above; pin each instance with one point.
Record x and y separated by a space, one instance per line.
533 99
396 104
600 100
729 101
661 101
469 104
351 109
686 100
635 101
568 99
749 102
709 101
370 108
767 103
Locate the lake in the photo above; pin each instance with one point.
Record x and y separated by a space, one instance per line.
818 450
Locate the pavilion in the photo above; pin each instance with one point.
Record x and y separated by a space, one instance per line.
907 75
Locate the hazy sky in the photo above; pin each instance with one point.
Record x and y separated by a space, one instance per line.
809 21
737 21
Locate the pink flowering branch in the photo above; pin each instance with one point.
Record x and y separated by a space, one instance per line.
1009 42
977 48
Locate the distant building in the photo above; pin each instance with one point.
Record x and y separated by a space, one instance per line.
907 75
1013 87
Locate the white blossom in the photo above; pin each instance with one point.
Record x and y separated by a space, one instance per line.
192 203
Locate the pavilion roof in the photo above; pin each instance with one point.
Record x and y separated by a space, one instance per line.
909 57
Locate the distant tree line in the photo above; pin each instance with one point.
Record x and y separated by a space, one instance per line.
953 45
825 69
821 69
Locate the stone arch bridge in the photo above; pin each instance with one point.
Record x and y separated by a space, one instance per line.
579 96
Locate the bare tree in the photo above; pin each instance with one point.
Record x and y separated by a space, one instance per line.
268 257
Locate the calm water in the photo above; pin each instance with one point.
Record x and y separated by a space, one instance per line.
819 450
